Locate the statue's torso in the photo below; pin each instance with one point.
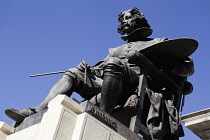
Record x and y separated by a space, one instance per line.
123 50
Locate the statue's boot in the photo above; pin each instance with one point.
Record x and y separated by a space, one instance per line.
110 92
19 115
112 84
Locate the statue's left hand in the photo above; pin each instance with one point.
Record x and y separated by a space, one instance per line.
82 66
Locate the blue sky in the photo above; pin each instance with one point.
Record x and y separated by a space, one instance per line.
39 36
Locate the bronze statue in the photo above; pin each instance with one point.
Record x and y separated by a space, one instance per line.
116 78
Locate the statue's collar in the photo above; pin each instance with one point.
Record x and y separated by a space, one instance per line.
137 34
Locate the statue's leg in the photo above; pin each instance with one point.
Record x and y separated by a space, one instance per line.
110 92
63 86
112 84
72 80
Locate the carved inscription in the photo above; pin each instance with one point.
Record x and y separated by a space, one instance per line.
99 114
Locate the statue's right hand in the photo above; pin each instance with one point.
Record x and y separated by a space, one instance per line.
133 56
82 66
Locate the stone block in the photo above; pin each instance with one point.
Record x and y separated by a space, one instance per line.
199 123
30 121
66 126
94 130
25 134
5 130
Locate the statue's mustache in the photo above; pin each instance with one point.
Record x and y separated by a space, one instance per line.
122 26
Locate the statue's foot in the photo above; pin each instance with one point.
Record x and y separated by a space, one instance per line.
19 115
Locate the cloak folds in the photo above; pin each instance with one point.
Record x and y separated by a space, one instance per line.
163 117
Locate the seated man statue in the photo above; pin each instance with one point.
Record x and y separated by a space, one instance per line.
115 78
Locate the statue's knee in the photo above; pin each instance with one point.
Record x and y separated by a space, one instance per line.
70 73
113 66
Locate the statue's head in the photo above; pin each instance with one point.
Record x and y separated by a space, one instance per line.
131 20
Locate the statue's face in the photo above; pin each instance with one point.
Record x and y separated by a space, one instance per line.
127 22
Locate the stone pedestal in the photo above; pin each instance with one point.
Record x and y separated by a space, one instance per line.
66 119
5 130
199 123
